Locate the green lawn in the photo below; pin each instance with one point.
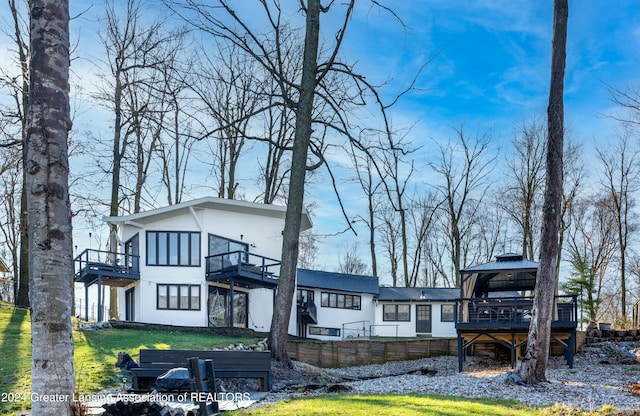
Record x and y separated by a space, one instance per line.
94 358
96 353
410 404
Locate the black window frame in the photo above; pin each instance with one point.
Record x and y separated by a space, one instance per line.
395 312
333 299
183 258
179 287
328 332
453 312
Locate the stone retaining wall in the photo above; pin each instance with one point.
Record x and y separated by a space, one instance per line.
603 335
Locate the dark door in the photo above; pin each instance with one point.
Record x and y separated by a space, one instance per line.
129 304
423 319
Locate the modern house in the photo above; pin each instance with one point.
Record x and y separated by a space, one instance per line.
206 262
216 262
495 306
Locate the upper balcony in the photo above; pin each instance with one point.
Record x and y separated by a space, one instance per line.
108 268
244 268
307 312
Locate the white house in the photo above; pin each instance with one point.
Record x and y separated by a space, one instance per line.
335 306
206 262
216 262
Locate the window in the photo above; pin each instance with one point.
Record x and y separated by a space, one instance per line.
186 297
447 313
396 313
305 296
339 300
330 332
173 248
226 252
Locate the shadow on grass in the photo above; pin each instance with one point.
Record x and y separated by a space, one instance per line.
15 353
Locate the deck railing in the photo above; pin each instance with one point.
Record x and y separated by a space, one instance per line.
241 261
509 311
107 261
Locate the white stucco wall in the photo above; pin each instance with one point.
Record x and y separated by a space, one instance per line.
355 320
263 234
408 328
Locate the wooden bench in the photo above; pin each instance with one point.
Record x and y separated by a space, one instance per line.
227 364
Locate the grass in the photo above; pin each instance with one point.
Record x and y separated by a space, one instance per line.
94 356
97 351
414 404
397 405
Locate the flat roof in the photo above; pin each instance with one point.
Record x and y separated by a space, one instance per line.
337 281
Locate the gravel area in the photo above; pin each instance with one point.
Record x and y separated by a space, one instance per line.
590 385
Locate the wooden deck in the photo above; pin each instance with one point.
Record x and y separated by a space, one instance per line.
505 321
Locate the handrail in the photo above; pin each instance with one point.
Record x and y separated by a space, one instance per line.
510 309
241 260
119 261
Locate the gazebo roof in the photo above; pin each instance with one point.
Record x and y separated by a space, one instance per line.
509 272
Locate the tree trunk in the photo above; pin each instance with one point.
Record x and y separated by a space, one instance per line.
287 281
49 213
533 366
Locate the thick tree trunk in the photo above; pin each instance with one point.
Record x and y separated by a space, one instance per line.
49 213
532 368
287 282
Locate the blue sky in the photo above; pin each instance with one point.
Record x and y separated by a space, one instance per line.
489 72
491 69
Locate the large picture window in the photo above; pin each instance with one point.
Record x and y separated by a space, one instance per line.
339 300
173 248
396 313
181 297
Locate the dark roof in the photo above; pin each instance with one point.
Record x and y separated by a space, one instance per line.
509 272
418 294
508 261
337 281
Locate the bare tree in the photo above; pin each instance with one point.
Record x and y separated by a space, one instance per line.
15 134
319 99
370 184
136 55
349 261
621 179
49 122
533 366
463 184
526 182
229 91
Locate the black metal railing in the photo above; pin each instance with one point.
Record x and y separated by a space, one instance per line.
510 311
308 312
97 260
242 262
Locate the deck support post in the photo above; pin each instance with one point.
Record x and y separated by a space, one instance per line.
231 311
513 350
571 348
86 302
100 300
460 353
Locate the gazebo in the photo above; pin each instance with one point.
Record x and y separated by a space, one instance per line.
496 299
